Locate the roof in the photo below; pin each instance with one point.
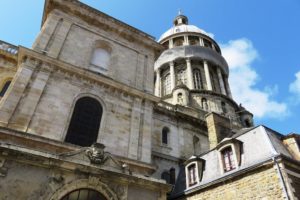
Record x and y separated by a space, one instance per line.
183 28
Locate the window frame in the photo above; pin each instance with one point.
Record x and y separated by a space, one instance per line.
228 159
68 133
165 136
198 84
194 171
236 147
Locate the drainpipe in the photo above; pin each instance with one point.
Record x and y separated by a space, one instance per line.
281 178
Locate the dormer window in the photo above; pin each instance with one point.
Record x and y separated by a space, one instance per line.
193 171
192 175
230 151
228 159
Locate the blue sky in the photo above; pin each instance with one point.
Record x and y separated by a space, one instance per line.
259 39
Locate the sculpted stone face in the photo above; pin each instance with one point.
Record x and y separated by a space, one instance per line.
96 153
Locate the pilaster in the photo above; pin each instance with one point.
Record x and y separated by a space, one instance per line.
221 81
16 90
157 83
23 113
190 81
207 76
172 75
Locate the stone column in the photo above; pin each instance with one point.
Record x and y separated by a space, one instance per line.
201 41
171 43
190 82
228 88
186 40
157 83
135 128
221 81
207 75
172 75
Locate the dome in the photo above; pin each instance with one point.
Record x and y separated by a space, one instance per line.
182 29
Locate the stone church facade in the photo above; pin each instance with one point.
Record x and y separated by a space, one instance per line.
97 109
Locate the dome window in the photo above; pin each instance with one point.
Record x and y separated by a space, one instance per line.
181 77
197 79
178 41
166 84
207 43
194 40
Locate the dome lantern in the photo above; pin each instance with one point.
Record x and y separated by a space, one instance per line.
180 19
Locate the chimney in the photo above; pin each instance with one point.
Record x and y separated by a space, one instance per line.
218 128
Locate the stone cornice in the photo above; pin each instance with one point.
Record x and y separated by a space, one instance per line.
25 54
53 148
100 19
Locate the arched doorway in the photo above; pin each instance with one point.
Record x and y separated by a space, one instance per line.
84 194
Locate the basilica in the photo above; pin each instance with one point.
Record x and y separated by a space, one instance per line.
99 110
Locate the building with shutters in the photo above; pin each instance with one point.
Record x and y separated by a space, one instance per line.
98 109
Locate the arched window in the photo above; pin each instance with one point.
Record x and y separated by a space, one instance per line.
181 77
223 106
4 88
212 81
204 104
84 194
196 145
197 79
166 84
228 159
247 123
179 99
165 135
85 122
100 58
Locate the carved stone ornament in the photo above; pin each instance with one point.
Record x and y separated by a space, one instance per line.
96 153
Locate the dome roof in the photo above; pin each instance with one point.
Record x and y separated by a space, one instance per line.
182 29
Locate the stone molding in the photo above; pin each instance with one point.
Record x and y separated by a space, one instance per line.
57 65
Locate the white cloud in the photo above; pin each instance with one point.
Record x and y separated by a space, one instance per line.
240 55
295 86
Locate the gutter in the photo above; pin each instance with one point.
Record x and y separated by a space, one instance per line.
281 178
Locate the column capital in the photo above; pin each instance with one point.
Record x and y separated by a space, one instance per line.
171 63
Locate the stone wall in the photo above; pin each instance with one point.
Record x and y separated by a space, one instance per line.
72 40
262 183
37 178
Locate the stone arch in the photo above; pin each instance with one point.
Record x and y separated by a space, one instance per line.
93 183
103 119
